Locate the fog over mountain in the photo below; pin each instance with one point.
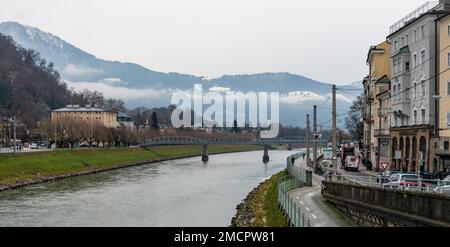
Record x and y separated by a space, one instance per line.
138 85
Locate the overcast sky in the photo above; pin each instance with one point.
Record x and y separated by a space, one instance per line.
326 40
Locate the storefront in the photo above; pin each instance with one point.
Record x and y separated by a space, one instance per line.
410 148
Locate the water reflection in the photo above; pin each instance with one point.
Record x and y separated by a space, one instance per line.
184 192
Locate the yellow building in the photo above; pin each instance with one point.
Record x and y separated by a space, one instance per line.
89 115
376 136
442 160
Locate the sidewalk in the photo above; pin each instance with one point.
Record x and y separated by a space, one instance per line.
363 170
311 200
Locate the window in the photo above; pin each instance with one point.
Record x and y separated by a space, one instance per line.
448 88
447 145
403 41
407 66
395 93
399 92
422 85
448 59
395 45
415 90
396 68
423 116
422 56
415 117
415 36
400 65
422 30
415 60
407 39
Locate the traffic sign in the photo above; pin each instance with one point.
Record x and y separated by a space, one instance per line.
384 165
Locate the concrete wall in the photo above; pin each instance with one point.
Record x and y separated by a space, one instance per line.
368 206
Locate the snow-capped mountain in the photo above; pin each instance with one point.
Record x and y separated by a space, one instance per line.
137 85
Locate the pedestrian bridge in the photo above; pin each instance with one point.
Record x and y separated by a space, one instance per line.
185 140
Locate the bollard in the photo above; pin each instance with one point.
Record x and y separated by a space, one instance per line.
205 156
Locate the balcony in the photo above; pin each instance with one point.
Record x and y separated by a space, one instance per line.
382 133
413 15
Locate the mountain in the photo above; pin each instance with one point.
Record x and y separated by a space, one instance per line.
137 85
76 65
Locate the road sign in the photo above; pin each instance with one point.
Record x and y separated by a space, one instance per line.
384 165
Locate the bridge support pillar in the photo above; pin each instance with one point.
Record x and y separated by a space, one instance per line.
266 157
205 155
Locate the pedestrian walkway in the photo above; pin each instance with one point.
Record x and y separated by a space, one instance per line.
311 200
363 170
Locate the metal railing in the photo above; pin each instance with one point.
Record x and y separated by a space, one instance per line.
420 185
413 15
296 213
302 176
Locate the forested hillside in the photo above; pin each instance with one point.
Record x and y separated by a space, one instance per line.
29 86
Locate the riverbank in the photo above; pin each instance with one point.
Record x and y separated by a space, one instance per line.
33 168
260 208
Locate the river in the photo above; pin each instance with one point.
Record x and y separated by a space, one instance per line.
180 193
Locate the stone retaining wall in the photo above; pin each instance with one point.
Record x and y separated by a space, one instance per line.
371 206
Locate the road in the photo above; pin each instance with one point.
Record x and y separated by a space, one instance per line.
23 150
310 198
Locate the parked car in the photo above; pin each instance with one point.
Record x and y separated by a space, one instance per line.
351 164
444 186
34 146
385 177
404 180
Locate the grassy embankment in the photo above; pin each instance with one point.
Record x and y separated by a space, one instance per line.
28 166
265 204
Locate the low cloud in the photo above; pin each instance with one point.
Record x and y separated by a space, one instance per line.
74 70
120 92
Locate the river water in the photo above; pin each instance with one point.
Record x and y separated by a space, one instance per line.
181 193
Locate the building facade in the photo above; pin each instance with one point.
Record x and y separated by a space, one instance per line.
378 81
382 125
89 115
414 86
441 162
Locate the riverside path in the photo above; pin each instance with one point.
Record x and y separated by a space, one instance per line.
311 200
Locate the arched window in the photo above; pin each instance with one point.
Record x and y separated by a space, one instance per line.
400 92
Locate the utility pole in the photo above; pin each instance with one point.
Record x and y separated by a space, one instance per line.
334 130
316 135
56 141
15 136
308 140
